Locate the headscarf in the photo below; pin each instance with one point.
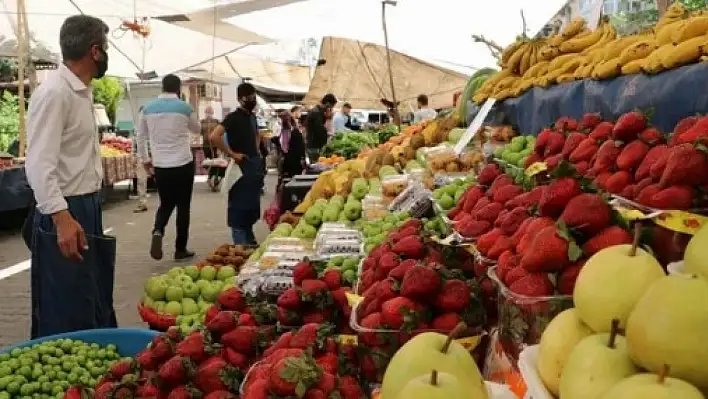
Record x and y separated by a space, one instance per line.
286 128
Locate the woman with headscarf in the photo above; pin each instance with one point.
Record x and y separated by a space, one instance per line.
292 143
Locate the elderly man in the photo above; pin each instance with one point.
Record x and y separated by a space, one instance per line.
209 123
72 261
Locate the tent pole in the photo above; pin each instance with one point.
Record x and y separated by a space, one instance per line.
396 117
21 74
31 69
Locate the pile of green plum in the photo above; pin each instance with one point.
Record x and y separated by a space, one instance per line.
376 230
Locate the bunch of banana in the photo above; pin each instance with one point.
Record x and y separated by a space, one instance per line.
676 12
522 55
589 41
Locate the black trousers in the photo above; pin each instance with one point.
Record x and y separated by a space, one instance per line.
174 187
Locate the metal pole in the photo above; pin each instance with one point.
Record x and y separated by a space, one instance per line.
21 74
388 59
31 69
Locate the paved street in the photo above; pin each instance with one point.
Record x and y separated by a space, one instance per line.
133 265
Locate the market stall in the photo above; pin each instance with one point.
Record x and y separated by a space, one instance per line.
15 193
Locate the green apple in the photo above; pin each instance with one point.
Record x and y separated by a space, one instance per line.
436 386
183 279
189 306
191 290
208 273
226 287
202 283
175 271
156 288
211 292
231 280
174 308
192 271
218 284
149 302
159 306
695 259
225 272
652 386
350 263
204 306
174 293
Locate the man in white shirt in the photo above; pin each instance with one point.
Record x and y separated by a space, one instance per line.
73 263
342 121
423 113
165 124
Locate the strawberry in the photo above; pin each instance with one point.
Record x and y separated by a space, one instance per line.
283 342
446 322
651 136
388 261
613 235
602 131
507 193
536 225
368 263
487 240
674 198
542 141
643 171
211 313
521 230
628 126
282 382
472 228
161 349
553 161
371 322
500 181
379 250
656 170
685 125
333 279
471 197
327 383
618 181
306 336
410 247
312 287
258 389
193 347
588 213
314 394
279 355
242 338
340 297
247 319
514 275
645 195
641 185
550 251
581 167
606 157
453 297
557 195
349 388
235 358
146 360
504 243
484 201
533 284
121 368
488 174
698 132
215 375
289 299
532 159
571 143
565 123
489 213
566 280
148 390
388 288
685 165
183 392
232 299
303 271
175 370
220 395
513 220
507 262
399 311
329 363
288 317
628 191
317 316
589 121
400 271
632 155
77 392
223 322
420 282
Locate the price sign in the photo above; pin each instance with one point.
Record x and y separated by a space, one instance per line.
680 221
475 125
536 168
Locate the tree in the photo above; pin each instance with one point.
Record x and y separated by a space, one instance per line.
9 119
108 91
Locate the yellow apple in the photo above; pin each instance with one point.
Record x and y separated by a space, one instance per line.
652 386
435 386
695 259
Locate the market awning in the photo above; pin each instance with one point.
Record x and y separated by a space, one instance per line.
357 73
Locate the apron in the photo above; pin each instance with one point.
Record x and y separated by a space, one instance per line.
67 295
244 208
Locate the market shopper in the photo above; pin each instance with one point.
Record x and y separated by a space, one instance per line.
73 262
292 144
164 127
342 121
208 124
317 133
238 137
423 113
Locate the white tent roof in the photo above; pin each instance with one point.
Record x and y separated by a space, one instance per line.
167 49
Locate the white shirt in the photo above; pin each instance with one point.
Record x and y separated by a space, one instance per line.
424 114
338 123
63 149
165 124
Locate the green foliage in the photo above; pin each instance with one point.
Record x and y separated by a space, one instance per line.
9 120
631 22
108 91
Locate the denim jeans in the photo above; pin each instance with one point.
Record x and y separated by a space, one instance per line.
242 236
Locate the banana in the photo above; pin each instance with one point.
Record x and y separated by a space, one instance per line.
525 59
515 58
566 77
632 67
536 70
505 83
608 36
693 27
479 98
542 82
496 78
607 70
653 64
503 94
615 48
574 27
523 87
684 53
555 40
665 35
509 51
578 43
533 59
549 52
558 62
637 51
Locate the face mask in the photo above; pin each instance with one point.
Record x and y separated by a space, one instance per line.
101 65
250 104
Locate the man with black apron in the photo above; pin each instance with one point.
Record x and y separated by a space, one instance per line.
73 262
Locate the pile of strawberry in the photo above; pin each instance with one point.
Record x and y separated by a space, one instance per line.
632 159
315 299
307 363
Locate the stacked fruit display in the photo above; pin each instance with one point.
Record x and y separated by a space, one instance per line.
447 196
113 146
628 316
47 369
517 152
227 255
578 53
376 230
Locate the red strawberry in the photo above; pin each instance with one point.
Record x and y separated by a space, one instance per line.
211 313
121 368
643 171
446 322
606 156
484 201
148 390
566 280
161 349
279 355
314 394
651 136
305 337
303 271
550 251
572 142
420 282
628 126
77 392
388 288
601 180
656 170
183 392
193 347
258 389
146 360
674 198
235 358
489 213
555 144
472 228
507 262
349 388
565 123
641 185
557 195
645 195
399 311
327 383
553 161
513 220
232 299
685 165
521 230
333 279
504 243
215 375
471 197
532 159
500 181
282 382
242 338
388 261
581 167
628 192
533 284
312 288
410 247
534 227
618 181
368 263
602 131
488 174
219 395
589 121
453 297
283 342
589 213
514 275
315 317
223 322
685 124
632 155
400 271
613 235
329 363
507 193
175 370
288 317
379 250
542 141
289 299
487 240
371 322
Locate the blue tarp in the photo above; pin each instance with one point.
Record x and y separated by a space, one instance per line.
672 95
15 192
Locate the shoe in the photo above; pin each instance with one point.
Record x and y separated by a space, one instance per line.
182 255
156 246
140 209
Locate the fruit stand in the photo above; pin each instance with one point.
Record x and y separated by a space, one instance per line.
119 163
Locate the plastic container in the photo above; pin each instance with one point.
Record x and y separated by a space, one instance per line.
675 268
393 185
129 341
535 389
523 319
156 321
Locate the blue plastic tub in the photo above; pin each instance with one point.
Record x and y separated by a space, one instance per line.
129 341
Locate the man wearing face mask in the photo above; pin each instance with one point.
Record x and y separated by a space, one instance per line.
72 261
240 131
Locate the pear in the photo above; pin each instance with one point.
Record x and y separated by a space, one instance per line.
559 338
595 365
435 386
428 351
652 386
695 258
669 326
611 283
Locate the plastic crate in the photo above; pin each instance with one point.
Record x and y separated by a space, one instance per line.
527 366
129 341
